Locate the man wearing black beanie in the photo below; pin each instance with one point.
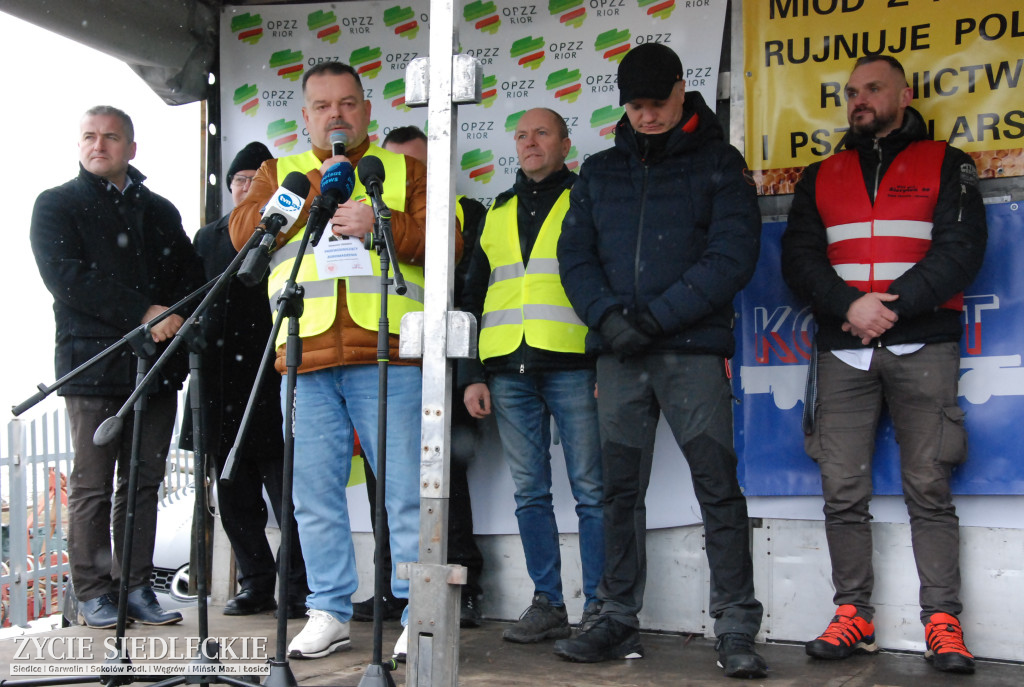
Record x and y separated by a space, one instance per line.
663 230
236 329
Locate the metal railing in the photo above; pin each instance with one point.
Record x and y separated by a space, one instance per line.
34 475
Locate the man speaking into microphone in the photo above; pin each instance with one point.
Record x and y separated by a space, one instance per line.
336 389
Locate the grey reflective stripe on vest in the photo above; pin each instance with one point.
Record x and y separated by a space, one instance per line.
544 265
551 313
311 289
371 285
499 317
322 288
287 252
506 272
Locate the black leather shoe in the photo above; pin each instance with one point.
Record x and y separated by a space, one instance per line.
250 602
143 607
100 612
469 613
363 610
296 608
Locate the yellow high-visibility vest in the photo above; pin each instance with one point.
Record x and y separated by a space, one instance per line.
526 301
320 303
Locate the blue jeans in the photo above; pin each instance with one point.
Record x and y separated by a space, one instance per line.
329 405
523 406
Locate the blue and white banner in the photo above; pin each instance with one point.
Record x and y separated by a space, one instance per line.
774 345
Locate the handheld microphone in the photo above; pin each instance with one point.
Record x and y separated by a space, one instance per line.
280 214
339 141
335 188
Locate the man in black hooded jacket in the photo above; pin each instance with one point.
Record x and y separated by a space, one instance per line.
882 239
662 231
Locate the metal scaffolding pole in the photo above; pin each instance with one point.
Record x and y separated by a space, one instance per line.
440 82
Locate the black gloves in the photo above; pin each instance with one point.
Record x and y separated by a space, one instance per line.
624 338
648 325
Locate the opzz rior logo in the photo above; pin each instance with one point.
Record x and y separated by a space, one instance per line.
325 24
483 15
288 64
404 21
570 12
367 61
480 164
528 52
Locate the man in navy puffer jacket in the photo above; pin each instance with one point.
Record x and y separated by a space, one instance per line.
663 230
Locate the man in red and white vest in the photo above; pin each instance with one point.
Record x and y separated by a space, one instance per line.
882 239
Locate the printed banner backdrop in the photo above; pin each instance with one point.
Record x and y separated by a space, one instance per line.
963 59
561 54
774 344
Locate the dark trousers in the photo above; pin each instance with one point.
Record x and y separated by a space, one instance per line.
920 391
243 514
693 393
462 548
94 568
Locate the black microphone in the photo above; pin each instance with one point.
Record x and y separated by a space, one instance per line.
371 174
335 188
339 141
281 212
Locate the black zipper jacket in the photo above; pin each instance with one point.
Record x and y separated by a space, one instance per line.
673 229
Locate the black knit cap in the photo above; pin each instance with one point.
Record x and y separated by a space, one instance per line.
648 71
249 157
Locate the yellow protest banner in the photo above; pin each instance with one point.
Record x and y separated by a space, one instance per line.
964 59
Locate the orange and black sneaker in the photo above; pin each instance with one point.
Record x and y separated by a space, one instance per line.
846 635
946 650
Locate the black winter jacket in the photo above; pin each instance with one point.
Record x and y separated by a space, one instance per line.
959 234
106 258
676 234
236 327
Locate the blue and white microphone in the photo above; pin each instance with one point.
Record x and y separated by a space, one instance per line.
335 189
279 215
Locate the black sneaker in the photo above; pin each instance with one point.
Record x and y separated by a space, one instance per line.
539 622
469 612
737 656
606 639
591 612
362 611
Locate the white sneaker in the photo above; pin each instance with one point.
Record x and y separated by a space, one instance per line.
322 635
401 646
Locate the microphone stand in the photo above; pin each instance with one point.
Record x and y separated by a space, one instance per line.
289 305
377 673
142 344
150 348
189 333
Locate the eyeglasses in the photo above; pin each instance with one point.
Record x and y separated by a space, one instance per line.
241 180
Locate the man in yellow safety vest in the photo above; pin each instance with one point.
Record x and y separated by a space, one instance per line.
336 390
533 366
